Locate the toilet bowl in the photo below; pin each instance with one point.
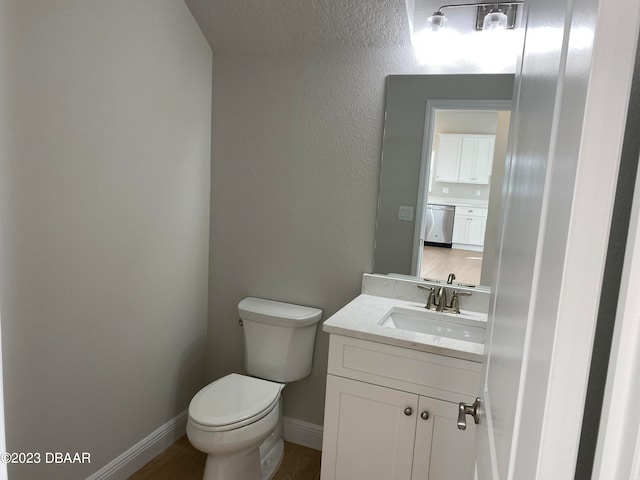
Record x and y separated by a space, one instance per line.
237 419
229 420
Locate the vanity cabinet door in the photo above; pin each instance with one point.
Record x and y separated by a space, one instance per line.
369 431
442 452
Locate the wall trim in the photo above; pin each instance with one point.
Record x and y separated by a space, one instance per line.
302 433
142 452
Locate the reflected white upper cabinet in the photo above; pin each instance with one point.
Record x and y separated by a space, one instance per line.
465 158
448 159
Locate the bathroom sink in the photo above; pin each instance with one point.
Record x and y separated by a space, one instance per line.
459 327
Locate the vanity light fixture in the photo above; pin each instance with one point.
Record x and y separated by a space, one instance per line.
436 21
495 20
489 16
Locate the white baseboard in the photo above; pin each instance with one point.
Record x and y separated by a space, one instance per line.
132 460
142 452
302 433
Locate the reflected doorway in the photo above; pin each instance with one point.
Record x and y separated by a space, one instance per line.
464 156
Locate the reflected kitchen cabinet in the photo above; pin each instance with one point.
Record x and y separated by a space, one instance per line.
469 225
465 158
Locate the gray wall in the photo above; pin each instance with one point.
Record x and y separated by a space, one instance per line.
104 198
406 101
296 157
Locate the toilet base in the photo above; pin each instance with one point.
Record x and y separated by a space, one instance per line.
244 465
252 464
272 450
270 461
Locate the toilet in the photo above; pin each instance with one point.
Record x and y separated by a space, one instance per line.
237 419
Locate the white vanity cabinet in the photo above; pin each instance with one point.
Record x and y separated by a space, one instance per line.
469 225
391 413
465 158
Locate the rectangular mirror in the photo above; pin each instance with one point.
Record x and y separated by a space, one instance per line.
428 204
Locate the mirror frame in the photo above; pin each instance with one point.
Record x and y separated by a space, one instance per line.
402 151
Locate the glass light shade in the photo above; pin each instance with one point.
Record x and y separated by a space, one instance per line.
436 22
495 20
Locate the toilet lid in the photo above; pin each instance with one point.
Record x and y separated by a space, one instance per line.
233 399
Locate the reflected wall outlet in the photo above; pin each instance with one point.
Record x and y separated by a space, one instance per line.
445 189
405 213
477 193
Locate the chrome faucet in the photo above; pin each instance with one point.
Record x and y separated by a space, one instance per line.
441 300
451 278
437 299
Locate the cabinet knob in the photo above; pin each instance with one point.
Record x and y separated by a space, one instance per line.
424 415
408 411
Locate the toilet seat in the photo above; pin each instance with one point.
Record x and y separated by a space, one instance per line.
233 401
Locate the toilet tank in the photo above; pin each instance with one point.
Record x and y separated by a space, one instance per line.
278 338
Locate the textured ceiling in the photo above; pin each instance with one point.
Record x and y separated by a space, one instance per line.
295 25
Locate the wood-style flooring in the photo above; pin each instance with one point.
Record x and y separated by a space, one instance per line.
438 263
183 462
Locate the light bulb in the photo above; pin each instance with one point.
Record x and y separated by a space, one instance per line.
436 22
495 20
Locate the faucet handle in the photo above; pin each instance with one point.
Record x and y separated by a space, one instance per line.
431 300
456 292
454 305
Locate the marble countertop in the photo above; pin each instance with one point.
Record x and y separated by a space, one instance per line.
360 317
466 202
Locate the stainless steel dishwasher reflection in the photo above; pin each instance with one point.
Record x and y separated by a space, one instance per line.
438 229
